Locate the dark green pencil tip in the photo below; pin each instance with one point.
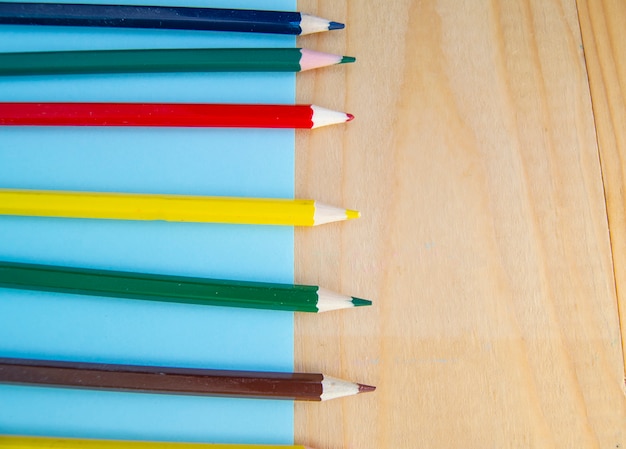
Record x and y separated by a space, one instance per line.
358 302
336 26
347 59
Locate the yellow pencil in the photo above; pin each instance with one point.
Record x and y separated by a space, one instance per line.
181 208
27 442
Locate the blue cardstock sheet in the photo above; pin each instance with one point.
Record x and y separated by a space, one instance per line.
229 162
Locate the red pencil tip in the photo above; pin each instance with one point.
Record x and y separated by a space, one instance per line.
365 388
350 117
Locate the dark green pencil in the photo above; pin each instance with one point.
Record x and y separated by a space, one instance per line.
178 289
167 60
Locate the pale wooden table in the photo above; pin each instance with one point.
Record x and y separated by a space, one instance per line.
484 242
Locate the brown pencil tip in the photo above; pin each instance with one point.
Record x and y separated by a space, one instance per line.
365 388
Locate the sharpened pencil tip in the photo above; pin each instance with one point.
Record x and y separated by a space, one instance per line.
347 59
336 26
358 302
365 388
352 214
350 117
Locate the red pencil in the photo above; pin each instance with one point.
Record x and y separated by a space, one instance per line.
169 114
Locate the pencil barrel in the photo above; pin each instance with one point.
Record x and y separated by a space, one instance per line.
156 114
175 289
156 17
36 442
150 379
147 61
178 208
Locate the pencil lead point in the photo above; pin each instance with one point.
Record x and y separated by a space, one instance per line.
347 59
352 214
358 302
365 388
313 24
350 117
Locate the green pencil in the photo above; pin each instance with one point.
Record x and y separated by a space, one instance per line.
177 289
167 60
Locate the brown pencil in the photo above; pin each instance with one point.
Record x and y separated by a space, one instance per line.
189 381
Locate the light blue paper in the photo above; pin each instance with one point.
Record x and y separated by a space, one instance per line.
170 160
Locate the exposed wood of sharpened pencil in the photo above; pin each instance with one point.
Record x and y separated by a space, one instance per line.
163 17
190 381
175 289
166 60
39 442
179 208
169 114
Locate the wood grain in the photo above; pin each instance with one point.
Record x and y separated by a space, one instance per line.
484 239
603 28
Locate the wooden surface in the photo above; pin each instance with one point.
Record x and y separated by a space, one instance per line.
484 240
603 28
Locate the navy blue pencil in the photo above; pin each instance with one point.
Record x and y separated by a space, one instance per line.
163 17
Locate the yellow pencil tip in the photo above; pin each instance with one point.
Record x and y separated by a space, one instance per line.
352 214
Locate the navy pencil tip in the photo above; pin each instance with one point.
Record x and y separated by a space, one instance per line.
336 26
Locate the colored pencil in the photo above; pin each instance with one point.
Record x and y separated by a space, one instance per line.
169 114
166 60
176 289
194 381
180 208
37 442
163 17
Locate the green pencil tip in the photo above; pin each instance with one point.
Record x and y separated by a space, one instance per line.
347 59
358 302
